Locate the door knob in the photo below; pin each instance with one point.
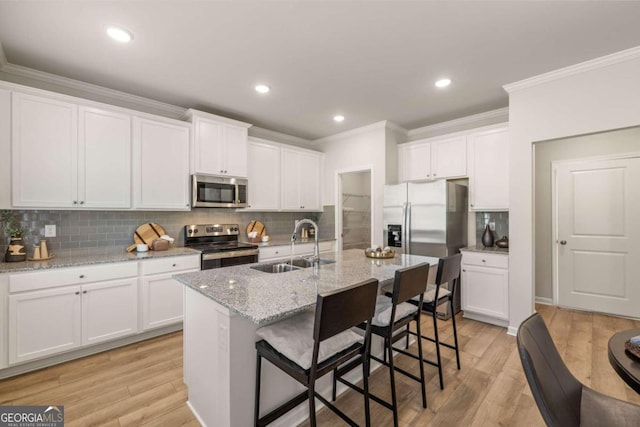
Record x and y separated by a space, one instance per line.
563 242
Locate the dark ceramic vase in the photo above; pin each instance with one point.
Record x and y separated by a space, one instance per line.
487 237
15 251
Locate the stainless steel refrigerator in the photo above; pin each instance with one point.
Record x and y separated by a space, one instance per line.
426 218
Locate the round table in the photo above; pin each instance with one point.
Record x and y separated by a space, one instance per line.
626 365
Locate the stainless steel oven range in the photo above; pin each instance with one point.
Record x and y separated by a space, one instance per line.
219 245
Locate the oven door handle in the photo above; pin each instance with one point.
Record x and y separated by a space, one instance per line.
229 254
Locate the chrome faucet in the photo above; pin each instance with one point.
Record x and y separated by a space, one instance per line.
294 236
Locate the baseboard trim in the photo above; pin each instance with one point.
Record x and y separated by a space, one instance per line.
544 301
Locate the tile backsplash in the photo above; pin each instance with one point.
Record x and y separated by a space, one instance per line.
79 232
501 220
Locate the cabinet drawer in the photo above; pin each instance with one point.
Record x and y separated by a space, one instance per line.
71 276
485 259
272 252
170 264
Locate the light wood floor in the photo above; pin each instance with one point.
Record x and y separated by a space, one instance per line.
141 384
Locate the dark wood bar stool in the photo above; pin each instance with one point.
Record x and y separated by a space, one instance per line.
448 272
310 345
392 315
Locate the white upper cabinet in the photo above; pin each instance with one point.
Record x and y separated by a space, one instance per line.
434 158
44 152
449 158
104 175
263 175
5 149
219 145
66 155
300 179
489 170
415 162
161 164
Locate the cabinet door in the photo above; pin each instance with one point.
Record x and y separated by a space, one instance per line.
489 170
44 152
290 179
416 164
109 310
162 301
104 179
310 181
43 323
264 179
235 151
161 162
208 151
485 291
5 149
449 158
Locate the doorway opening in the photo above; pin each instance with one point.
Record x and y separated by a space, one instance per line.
353 209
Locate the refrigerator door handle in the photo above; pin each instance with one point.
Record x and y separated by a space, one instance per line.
407 227
403 235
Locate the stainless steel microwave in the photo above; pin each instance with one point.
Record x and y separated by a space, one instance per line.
212 191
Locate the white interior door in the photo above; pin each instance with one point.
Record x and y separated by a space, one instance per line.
597 206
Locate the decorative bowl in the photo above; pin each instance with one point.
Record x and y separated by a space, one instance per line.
379 254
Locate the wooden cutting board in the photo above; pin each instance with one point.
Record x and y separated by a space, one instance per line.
146 234
258 227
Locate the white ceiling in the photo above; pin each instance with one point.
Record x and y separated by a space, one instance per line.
367 60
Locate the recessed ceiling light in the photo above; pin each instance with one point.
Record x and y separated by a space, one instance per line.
443 82
120 34
262 88
338 118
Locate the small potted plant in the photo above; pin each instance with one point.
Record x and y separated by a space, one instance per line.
12 229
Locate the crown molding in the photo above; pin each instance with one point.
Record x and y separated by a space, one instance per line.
45 77
191 113
358 131
583 67
499 115
272 135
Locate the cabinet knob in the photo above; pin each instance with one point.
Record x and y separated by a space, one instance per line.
187 204
563 242
484 260
82 276
434 174
84 292
82 202
225 171
77 293
75 202
471 205
464 271
173 265
221 171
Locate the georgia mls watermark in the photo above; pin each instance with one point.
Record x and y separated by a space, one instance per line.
31 416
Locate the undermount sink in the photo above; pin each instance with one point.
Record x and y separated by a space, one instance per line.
275 267
283 267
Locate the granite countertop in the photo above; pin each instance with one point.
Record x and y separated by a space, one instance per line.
480 248
101 257
265 297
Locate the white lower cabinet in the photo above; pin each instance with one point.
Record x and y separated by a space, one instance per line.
59 310
162 296
54 320
109 310
272 253
45 322
485 287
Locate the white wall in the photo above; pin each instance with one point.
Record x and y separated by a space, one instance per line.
360 149
602 95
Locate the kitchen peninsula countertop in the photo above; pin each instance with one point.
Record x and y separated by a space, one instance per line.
480 248
265 297
98 257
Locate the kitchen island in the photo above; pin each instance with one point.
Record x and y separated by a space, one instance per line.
223 309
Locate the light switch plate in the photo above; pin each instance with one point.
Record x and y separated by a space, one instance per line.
50 230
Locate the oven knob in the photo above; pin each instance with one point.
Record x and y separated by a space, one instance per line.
195 231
